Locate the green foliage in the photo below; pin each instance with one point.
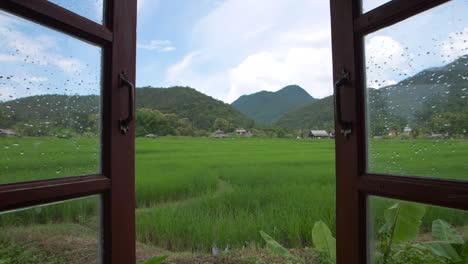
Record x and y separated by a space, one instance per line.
402 221
154 122
155 260
12 253
274 246
267 107
324 241
223 125
186 102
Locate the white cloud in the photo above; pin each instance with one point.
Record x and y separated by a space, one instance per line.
384 55
309 67
158 45
249 46
17 46
456 45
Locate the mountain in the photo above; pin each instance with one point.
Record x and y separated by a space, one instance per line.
267 107
185 102
408 96
401 103
316 115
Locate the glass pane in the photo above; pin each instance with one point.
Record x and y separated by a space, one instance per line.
417 87
91 9
65 232
404 232
50 86
368 5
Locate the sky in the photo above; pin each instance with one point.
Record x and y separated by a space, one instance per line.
226 48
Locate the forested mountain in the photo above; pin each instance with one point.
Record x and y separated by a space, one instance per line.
317 115
267 107
408 96
434 100
186 102
79 112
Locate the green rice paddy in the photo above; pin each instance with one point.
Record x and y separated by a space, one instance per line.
194 194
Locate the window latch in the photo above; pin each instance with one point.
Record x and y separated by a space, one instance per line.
346 126
125 123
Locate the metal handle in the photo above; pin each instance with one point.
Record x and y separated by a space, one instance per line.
345 125
124 124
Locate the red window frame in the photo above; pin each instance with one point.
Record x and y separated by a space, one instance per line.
116 183
354 184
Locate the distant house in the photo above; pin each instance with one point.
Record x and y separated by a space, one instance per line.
393 133
151 136
219 134
241 131
8 132
407 130
319 134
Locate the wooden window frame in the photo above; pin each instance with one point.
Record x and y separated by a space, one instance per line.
353 183
116 182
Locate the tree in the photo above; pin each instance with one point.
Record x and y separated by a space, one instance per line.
223 125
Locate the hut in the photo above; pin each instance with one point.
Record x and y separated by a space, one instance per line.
219 134
319 134
8 132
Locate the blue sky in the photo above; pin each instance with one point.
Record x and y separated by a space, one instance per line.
225 48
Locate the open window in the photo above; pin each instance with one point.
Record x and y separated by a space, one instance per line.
96 40
410 48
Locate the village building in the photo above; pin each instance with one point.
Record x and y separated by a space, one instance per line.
241 131
407 130
8 132
151 136
219 134
319 134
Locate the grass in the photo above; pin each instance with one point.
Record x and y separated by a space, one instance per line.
199 193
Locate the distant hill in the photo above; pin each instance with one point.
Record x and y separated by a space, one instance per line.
408 96
403 101
186 102
267 107
316 115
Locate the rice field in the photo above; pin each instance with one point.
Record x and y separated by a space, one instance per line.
200 194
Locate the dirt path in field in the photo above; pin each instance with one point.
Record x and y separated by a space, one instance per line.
223 187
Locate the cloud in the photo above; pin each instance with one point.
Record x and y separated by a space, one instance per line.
384 56
17 46
249 46
456 45
157 45
309 67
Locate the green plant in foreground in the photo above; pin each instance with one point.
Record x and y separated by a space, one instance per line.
324 241
402 222
322 238
155 260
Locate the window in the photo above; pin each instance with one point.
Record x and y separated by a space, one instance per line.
106 171
361 180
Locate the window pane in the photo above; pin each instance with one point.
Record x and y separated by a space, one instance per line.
368 5
417 87
91 9
50 86
65 232
404 232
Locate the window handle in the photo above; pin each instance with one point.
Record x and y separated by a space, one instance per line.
125 123
341 82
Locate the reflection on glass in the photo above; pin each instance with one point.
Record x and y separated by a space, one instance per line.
64 232
50 87
368 5
417 88
91 9
404 232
